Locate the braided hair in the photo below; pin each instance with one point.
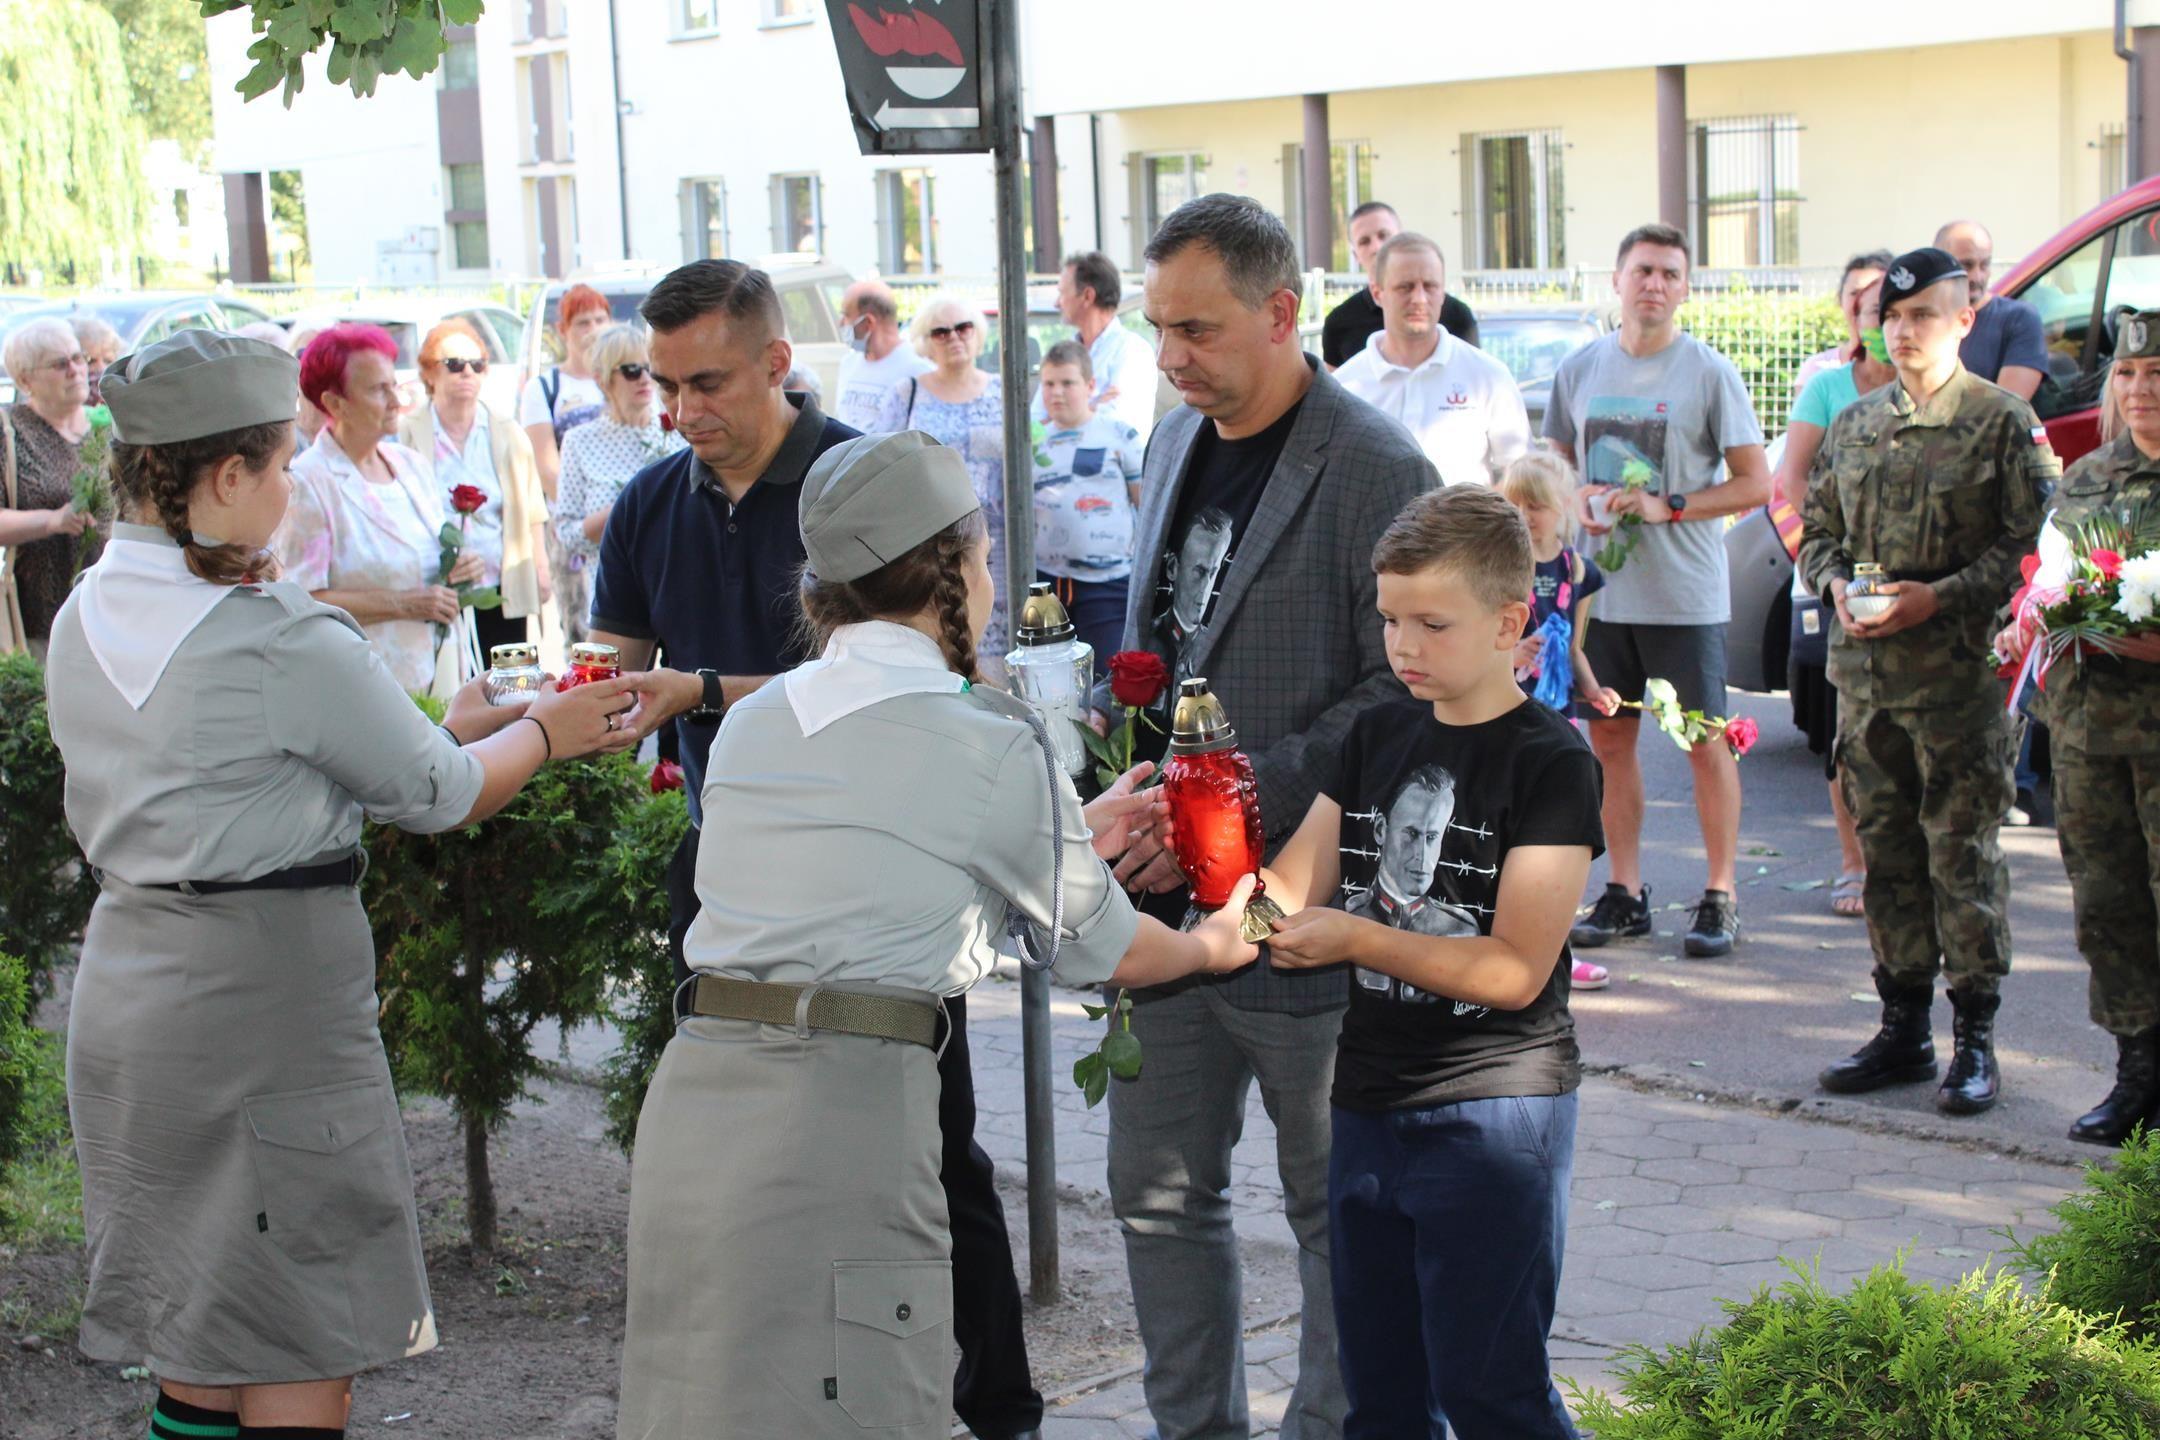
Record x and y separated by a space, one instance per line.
932 576
159 480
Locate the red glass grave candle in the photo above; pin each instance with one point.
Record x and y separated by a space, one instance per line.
590 661
1215 829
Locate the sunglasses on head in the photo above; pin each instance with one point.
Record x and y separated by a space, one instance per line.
632 370
945 332
458 365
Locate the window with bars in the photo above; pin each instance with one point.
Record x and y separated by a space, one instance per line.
907 222
705 220
1350 172
1744 190
1515 210
2114 154
798 209
1161 183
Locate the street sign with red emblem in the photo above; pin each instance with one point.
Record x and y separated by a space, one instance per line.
916 73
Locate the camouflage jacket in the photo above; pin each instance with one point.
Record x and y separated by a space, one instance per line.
1948 493
2099 704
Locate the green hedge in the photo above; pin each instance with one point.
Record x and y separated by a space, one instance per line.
46 891
2104 1257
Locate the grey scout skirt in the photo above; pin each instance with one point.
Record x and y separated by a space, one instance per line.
790 1270
246 1195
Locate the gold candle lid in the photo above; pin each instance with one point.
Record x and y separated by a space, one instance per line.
513 657
592 652
1866 567
1199 726
1043 620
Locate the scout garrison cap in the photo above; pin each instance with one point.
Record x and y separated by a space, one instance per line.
870 500
1914 271
2137 335
198 383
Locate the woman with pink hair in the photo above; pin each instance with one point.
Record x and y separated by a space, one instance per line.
362 530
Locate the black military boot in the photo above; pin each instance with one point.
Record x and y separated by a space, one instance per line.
1903 1050
1973 1083
2137 1090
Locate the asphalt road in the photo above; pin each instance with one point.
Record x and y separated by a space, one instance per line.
1795 994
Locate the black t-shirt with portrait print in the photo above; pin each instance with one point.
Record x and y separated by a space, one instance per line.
1430 812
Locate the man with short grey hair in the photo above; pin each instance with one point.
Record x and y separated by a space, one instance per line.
1264 495
1089 291
876 360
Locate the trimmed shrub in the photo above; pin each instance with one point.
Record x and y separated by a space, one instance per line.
643 1007
40 1192
46 890
1891 1359
2105 1257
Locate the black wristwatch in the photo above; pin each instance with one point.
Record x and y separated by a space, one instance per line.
1677 504
714 705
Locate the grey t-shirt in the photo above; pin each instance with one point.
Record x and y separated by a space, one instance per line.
1676 412
2005 331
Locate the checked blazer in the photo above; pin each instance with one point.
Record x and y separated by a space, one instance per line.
1293 648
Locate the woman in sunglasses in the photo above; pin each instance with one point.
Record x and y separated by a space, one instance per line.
600 456
465 445
962 406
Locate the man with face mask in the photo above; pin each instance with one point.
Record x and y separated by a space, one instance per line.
876 360
1939 480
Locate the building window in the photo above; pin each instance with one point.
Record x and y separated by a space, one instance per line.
1517 215
1744 180
465 213
544 105
2114 160
798 211
694 19
469 244
551 225
1350 167
466 186
461 61
705 216
907 222
539 19
789 12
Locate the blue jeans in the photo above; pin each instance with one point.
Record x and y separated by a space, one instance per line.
1447 1226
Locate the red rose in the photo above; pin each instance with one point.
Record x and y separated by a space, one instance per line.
2029 567
2107 562
667 422
1741 734
465 499
1137 677
666 776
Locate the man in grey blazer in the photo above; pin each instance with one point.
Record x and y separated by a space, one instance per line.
1262 499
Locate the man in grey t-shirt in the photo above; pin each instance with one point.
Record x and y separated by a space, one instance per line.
1649 416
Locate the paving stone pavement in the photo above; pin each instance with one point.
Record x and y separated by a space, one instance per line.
1676 1204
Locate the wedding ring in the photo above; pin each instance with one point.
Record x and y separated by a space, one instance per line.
611 724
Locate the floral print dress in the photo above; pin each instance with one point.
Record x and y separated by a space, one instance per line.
977 430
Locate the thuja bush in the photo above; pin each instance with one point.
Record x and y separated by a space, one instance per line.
45 888
643 1002
1767 336
2104 1258
1890 1359
40 1193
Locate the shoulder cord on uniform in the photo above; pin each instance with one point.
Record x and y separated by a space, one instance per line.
1017 925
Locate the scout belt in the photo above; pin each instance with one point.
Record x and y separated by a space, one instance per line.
815 1007
331 874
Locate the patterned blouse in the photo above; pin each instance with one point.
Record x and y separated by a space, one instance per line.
977 430
45 465
598 460
345 532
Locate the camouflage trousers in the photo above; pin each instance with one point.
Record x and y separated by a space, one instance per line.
1928 792
2107 811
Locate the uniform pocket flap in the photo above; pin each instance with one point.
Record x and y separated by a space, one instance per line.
898 1297
324 1121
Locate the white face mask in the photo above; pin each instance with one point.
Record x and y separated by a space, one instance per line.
857 335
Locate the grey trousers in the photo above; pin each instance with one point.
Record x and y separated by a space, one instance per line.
1171 1133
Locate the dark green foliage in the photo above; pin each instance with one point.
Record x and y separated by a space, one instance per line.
40 1195
72 198
367 38
2105 1258
483 933
18 1049
632 881
45 890
1891 1359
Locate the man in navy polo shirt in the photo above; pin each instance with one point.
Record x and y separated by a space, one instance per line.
699 561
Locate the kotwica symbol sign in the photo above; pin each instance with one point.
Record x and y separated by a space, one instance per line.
915 73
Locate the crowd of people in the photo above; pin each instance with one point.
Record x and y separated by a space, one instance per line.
1366 557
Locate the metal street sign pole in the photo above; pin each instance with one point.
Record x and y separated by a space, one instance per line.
1003 29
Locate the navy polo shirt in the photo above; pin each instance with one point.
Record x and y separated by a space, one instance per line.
713 583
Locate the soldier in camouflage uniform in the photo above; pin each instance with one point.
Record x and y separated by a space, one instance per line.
1938 478
2104 716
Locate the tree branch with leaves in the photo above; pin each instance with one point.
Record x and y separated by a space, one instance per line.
367 39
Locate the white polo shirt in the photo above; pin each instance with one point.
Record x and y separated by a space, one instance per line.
1461 404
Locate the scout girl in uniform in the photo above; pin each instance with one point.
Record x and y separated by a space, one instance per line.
246 1198
788 1244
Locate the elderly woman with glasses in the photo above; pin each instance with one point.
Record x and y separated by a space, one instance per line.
100 346
600 456
362 530
962 406
40 452
466 445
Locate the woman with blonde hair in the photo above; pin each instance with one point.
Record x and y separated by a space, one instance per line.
100 346
41 443
600 456
454 434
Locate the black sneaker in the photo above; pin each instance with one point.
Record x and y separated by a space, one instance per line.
1716 926
1617 915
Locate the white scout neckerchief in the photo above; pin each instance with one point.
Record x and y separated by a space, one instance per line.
138 604
863 664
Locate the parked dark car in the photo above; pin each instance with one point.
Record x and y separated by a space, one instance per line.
141 316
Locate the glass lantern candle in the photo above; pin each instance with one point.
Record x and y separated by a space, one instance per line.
1215 829
590 661
514 675
1052 669
1864 595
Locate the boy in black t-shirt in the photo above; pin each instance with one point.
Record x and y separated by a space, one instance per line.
1457 835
